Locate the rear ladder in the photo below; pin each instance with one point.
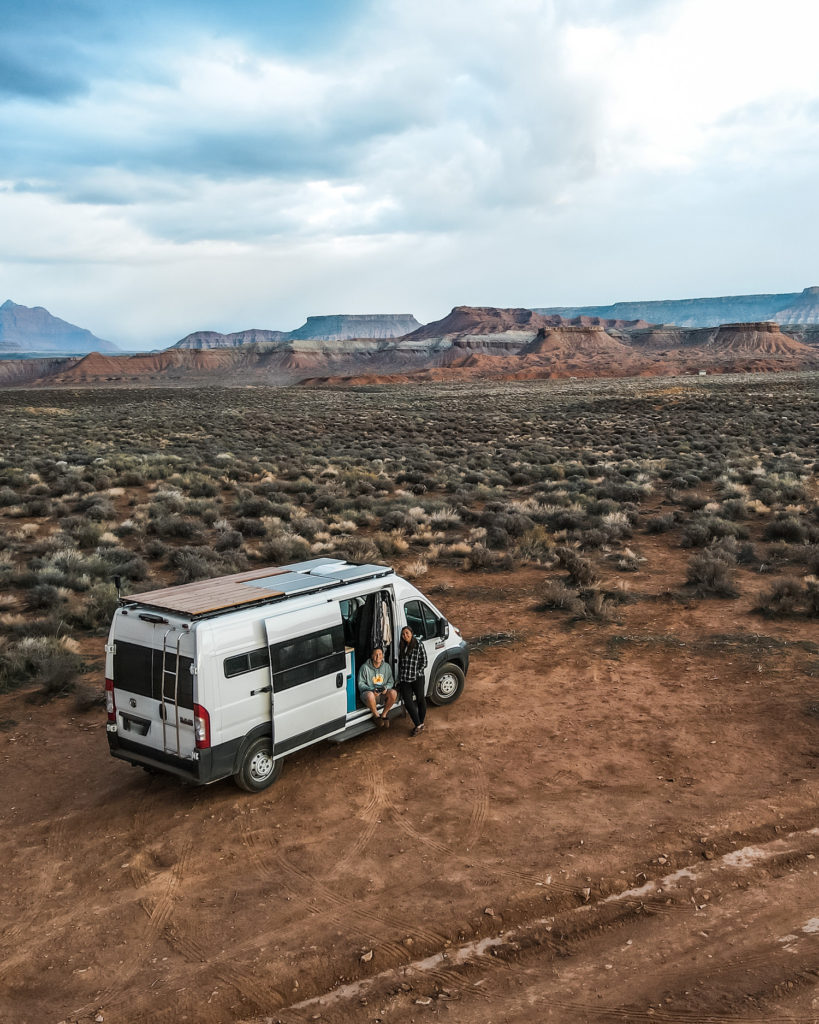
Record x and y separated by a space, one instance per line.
170 694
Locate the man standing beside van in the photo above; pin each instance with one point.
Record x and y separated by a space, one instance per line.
376 685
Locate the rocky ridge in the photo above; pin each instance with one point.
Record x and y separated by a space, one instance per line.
34 329
784 308
338 327
470 343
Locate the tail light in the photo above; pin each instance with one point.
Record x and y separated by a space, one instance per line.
110 705
201 727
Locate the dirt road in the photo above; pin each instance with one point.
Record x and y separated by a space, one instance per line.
616 822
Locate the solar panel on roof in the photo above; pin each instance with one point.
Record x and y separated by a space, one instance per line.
350 573
286 583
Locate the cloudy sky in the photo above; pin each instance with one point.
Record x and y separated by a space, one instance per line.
174 165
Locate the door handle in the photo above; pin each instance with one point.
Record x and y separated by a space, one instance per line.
339 681
264 689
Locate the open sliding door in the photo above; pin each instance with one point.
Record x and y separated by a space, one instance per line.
308 675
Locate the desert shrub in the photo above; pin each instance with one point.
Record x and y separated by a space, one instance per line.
156 549
782 599
308 526
43 597
251 527
201 563
592 538
496 537
253 506
357 549
420 567
284 548
787 528
628 560
116 561
710 572
536 545
735 508
445 517
554 594
597 607
661 523
169 525
98 609
693 502
742 552
44 660
37 508
228 540
580 571
8 497
812 595
390 544
86 533
199 486
480 557
708 528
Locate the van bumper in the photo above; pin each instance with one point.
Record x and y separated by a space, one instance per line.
136 754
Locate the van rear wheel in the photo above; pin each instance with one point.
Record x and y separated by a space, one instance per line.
447 685
258 769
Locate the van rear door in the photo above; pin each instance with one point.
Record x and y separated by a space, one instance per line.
308 675
153 690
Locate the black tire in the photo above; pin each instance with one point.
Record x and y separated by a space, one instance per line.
447 685
258 770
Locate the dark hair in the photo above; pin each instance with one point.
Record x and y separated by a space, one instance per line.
406 644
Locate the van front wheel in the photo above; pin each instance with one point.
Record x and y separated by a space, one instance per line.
447 685
258 770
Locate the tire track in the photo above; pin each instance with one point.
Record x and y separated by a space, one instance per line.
370 814
34 901
158 916
307 888
577 925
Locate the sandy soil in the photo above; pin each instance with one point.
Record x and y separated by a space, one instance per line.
615 822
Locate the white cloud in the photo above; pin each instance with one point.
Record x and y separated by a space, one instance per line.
524 152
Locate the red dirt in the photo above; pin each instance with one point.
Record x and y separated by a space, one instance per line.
580 762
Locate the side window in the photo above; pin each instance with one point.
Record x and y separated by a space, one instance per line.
430 622
421 619
307 657
249 662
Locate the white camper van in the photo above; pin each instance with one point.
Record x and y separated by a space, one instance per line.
226 676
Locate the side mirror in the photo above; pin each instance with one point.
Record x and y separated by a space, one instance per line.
443 628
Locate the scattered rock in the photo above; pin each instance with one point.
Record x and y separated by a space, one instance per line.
408 942
489 912
366 957
423 1001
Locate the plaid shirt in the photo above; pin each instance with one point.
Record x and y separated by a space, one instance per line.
412 661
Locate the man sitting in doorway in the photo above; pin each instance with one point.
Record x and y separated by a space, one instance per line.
377 686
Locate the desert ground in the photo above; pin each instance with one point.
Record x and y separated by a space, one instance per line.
617 821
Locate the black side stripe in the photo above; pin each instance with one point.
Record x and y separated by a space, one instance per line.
315 733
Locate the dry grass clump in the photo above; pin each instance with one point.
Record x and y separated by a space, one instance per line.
711 573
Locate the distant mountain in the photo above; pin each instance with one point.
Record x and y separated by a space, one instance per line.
469 344
212 339
34 329
784 308
337 327
342 327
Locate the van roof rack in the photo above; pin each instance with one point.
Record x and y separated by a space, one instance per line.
258 587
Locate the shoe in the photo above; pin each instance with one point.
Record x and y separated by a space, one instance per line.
379 721
385 722
420 728
414 732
